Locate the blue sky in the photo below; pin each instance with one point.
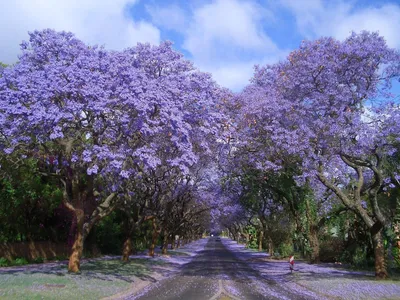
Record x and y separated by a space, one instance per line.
223 37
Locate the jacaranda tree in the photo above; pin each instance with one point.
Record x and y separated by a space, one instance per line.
98 118
313 107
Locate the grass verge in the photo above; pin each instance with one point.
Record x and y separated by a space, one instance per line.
98 278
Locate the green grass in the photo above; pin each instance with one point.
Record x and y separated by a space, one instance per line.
97 279
177 253
348 288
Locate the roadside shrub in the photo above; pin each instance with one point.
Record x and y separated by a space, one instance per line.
38 260
331 250
60 257
252 237
396 256
360 259
109 234
4 262
20 261
285 249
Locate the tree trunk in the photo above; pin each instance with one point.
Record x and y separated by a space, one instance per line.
153 238
260 240
165 243
127 249
312 234
247 239
396 229
178 244
72 231
173 242
314 245
379 251
77 247
270 247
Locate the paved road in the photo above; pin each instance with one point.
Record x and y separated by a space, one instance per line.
216 274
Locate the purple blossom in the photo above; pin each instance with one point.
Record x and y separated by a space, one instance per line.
93 170
8 150
124 174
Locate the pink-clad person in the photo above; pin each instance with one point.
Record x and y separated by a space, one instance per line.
291 263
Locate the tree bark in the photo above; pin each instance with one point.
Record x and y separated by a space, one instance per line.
153 238
72 231
379 251
127 249
314 245
165 243
396 229
270 247
77 247
173 242
312 235
260 240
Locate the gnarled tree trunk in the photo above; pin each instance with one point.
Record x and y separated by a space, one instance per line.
165 243
154 238
173 242
396 229
77 247
354 203
260 240
127 249
380 259
270 246
314 245
312 235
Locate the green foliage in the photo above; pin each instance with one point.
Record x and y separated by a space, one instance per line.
357 257
27 202
20 261
38 260
285 249
109 235
331 248
396 256
251 231
4 262
60 257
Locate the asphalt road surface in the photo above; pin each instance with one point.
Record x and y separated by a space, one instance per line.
216 274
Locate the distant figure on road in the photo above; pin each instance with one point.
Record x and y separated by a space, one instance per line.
291 263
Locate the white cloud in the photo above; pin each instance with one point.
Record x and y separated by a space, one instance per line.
234 75
224 37
229 22
386 20
338 19
94 21
237 74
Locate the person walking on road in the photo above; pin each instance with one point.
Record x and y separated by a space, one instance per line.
291 263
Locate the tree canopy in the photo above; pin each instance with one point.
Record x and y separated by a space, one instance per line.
143 132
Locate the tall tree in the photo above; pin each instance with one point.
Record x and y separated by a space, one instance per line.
313 106
97 119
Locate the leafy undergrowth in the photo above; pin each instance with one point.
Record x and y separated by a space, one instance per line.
99 277
329 281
